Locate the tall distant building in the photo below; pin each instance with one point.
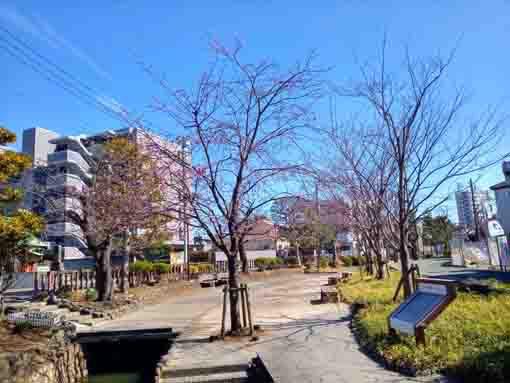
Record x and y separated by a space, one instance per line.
483 204
62 167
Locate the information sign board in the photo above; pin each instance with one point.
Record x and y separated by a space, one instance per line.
432 296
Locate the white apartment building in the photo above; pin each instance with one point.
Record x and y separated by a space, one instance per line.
62 168
483 205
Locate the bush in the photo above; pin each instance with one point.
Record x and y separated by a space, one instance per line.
323 262
65 292
358 260
201 268
90 294
291 261
268 263
21 327
347 260
261 262
200 256
161 268
141 266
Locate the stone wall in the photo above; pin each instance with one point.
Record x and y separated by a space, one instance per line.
58 361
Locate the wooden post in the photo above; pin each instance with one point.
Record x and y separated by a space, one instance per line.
412 270
400 283
250 319
224 311
243 304
419 335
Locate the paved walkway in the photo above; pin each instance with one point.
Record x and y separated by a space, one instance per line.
302 342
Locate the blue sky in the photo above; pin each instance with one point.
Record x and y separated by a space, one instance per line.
98 42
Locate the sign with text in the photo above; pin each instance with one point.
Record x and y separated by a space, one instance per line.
432 296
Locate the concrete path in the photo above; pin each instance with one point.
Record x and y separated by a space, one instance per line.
301 342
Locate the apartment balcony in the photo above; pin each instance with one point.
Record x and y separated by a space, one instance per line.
69 157
59 206
68 181
68 230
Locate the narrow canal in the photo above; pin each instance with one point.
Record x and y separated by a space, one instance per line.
124 361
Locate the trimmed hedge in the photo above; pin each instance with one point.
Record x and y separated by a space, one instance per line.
268 262
291 261
201 268
161 268
141 266
353 260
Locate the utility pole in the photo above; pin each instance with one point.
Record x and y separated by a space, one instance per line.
318 212
184 212
475 210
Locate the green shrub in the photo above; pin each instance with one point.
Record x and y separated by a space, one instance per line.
347 260
324 262
200 256
65 292
161 268
21 327
261 262
141 266
292 261
268 263
277 261
201 268
90 294
358 260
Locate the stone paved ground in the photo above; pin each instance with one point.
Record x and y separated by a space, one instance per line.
301 341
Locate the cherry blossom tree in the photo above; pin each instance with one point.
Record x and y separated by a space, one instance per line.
245 122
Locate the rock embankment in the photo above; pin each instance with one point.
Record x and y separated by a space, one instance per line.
56 360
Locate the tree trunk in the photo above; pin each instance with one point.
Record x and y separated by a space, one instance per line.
104 280
298 256
404 257
335 255
1 291
379 259
233 284
124 282
244 258
370 261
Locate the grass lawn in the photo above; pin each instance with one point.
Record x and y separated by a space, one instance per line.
470 339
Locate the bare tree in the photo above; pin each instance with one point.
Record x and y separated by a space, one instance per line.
364 176
123 199
245 122
424 129
283 214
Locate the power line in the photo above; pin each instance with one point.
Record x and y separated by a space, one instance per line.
64 80
49 77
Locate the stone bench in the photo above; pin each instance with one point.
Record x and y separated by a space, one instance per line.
329 294
340 277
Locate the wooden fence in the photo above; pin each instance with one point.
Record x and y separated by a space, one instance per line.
85 279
